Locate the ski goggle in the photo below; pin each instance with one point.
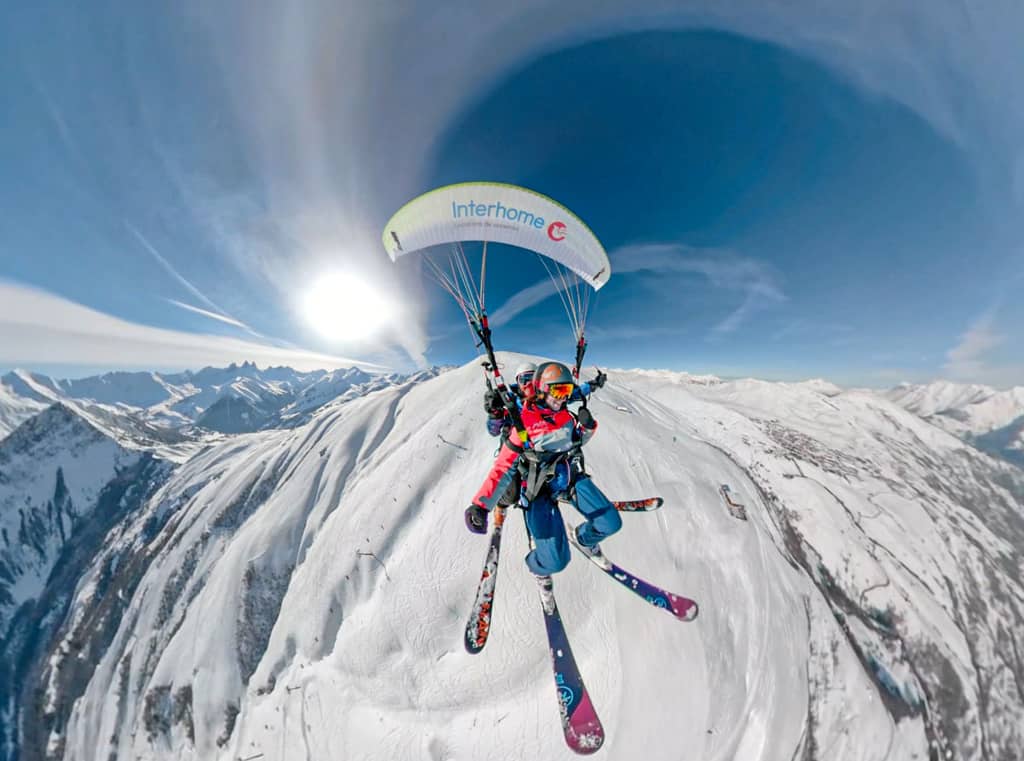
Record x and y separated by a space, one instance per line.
560 390
525 377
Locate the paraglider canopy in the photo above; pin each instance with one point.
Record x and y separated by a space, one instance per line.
498 213
493 212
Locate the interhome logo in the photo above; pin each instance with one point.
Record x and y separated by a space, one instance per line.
556 230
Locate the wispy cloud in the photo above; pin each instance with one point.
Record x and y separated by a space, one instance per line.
217 313
37 327
206 313
523 300
736 317
967 360
756 280
54 112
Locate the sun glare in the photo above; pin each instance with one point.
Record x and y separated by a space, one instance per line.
342 307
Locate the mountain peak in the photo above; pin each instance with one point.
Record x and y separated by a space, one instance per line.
58 421
29 385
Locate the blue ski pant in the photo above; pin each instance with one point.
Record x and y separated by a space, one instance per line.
551 545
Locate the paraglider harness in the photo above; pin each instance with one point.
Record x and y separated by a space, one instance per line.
536 471
559 475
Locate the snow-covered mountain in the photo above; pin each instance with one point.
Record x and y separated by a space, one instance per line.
63 484
16 408
51 472
24 394
992 420
302 593
179 411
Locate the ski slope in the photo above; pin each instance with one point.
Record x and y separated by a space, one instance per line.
307 593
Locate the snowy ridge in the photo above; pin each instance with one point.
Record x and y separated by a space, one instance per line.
176 415
52 469
302 593
992 420
15 409
961 409
24 394
62 484
937 397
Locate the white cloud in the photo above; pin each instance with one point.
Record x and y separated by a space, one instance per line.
966 360
205 313
974 358
723 269
756 280
721 266
735 318
151 249
37 327
523 300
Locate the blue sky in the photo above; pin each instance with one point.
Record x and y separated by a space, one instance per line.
789 193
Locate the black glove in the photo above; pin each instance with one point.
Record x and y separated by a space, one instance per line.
598 382
585 418
492 402
476 519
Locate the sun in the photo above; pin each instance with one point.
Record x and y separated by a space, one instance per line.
343 307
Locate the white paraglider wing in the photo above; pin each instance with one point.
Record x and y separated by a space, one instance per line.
497 213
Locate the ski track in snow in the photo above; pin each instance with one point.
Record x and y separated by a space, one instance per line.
333 560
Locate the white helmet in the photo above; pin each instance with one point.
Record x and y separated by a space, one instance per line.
524 373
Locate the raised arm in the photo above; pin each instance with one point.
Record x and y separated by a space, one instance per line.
586 425
496 413
586 388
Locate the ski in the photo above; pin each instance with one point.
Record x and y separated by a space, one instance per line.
479 624
683 608
580 724
736 510
639 505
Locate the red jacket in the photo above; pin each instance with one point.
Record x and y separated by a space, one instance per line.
550 432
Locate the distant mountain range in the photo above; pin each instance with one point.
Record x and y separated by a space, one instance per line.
991 420
173 414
